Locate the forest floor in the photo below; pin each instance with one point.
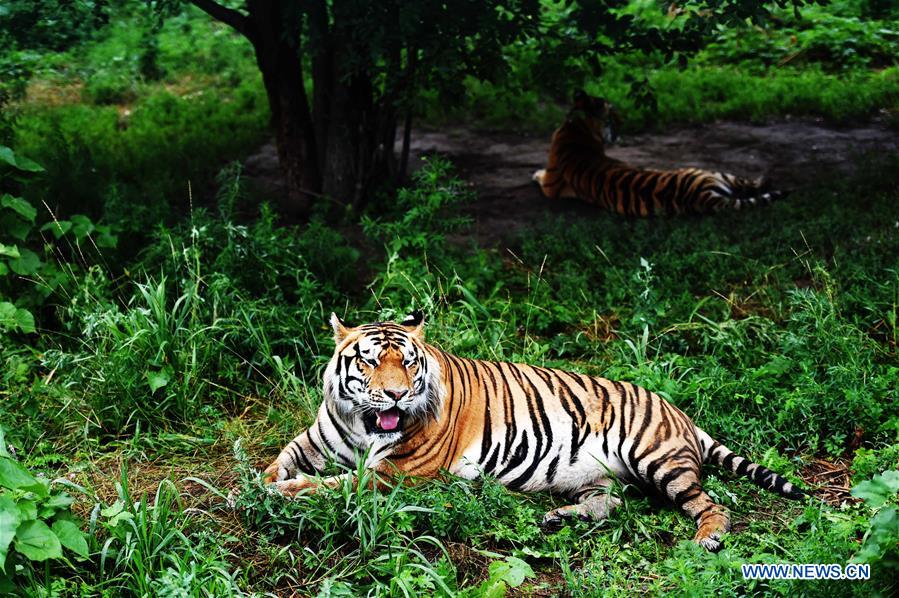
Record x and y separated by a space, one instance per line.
790 153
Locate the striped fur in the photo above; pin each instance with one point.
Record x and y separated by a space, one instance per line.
579 168
531 428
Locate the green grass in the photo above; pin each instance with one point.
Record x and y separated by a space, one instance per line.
120 143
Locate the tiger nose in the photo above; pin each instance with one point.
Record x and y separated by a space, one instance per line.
396 395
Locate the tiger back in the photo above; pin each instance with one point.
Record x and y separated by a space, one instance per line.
579 168
411 408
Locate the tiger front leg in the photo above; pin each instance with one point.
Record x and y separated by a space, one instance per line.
299 457
380 476
592 502
303 484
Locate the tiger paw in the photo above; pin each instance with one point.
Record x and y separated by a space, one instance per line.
712 542
711 531
557 517
296 486
274 473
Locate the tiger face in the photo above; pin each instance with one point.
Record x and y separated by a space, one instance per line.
598 114
380 376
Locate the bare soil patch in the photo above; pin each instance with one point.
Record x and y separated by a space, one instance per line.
791 153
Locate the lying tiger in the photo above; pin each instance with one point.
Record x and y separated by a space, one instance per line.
579 168
419 410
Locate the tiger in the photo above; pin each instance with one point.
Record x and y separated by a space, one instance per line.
578 167
394 404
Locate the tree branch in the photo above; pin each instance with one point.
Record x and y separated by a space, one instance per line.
226 15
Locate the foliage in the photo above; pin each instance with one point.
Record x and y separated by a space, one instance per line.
36 522
52 25
103 165
502 575
420 218
206 323
879 547
834 42
353 532
184 341
20 263
785 66
148 553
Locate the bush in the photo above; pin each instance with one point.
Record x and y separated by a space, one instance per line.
36 522
880 547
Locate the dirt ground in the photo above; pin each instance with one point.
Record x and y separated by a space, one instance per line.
790 153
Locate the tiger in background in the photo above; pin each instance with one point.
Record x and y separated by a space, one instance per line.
414 409
579 168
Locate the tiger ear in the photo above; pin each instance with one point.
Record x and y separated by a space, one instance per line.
341 330
415 322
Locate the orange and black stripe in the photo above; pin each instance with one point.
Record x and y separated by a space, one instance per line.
531 428
579 168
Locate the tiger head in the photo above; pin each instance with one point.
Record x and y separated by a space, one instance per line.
381 377
598 114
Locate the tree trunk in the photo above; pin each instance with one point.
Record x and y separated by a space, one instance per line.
278 57
353 130
342 146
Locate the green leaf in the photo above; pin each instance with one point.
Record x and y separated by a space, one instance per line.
57 227
14 226
24 320
26 264
19 206
81 226
37 541
14 476
71 536
113 509
879 489
12 318
18 162
513 571
60 501
7 317
9 251
9 522
116 513
157 380
27 509
107 241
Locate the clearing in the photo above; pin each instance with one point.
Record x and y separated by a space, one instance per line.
791 153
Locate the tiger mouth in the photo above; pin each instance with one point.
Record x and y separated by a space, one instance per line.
389 421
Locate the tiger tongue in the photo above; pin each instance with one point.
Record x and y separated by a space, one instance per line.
388 420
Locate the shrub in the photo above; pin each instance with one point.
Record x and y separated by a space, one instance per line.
880 547
36 522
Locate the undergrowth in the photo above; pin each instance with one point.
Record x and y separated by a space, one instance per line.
782 346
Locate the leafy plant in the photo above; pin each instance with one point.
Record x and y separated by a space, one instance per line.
423 210
28 278
36 521
367 530
880 546
502 574
148 551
